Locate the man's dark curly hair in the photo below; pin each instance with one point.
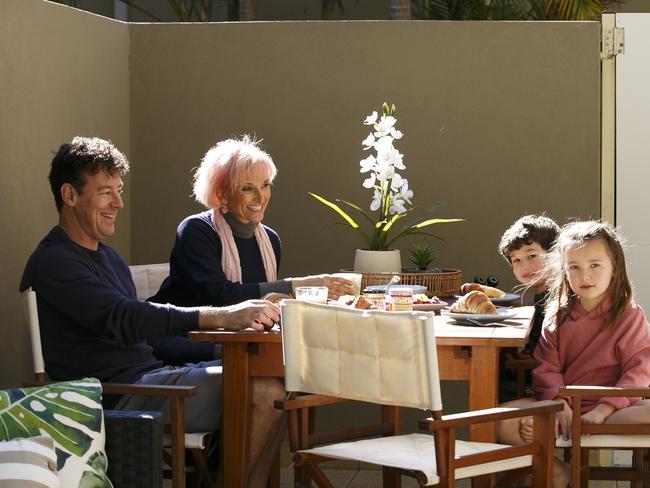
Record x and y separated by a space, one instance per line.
526 230
80 158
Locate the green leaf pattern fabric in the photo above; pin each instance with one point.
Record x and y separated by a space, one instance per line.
69 412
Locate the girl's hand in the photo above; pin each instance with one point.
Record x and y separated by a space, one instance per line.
563 422
599 414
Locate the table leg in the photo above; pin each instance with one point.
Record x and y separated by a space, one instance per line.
483 382
236 411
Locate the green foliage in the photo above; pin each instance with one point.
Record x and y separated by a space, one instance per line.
421 254
511 9
379 238
53 410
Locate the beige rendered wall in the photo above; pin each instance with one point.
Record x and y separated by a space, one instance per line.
500 119
62 73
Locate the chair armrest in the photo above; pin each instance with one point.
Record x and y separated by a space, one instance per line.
149 390
131 389
306 401
604 391
492 415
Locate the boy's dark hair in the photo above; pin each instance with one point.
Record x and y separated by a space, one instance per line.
526 230
82 157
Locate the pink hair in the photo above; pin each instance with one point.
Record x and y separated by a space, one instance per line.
225 165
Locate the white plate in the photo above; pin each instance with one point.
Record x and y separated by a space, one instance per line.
504 300
430 307
501 315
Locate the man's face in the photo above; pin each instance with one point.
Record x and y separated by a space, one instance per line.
95 209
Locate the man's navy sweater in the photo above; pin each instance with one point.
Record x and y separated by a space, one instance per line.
91 322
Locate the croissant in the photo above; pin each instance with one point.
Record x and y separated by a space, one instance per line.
488 290
467 287
474 302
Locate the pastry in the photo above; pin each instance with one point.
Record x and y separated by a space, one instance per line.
474 302
491 292
363 303
467 287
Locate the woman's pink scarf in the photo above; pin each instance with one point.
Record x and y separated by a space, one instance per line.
230 257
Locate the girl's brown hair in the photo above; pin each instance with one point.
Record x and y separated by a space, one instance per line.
561 297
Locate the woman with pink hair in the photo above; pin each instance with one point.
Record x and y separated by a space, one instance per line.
225 255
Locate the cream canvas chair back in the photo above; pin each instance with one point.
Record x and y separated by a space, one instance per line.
373 356
148 278
30 310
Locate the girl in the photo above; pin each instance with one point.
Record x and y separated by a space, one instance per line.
594 334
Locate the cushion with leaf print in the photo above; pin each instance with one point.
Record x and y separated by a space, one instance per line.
71 413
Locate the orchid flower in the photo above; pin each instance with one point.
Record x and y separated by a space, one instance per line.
391 192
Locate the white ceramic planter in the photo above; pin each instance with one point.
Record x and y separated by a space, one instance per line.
377 261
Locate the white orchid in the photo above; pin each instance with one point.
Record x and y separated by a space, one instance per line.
367 164
385 126
390 191
368 142
371 119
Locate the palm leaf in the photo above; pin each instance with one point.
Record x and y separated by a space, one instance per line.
64 411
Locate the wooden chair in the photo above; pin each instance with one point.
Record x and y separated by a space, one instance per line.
606 436
178 439
520 366
390 359
147 279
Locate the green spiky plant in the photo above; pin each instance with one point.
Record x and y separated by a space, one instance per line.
422 254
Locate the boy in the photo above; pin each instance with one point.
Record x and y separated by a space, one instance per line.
524 246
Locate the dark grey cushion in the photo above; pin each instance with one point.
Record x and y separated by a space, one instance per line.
134 448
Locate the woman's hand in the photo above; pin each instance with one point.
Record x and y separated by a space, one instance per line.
599 414
563 421
336 285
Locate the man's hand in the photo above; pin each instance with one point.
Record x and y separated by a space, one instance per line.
258 314
563 421
599 414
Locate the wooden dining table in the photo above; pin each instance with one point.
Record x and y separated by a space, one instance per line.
467 353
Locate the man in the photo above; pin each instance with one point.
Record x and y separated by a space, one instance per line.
93 325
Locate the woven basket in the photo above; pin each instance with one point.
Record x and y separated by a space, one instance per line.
445 283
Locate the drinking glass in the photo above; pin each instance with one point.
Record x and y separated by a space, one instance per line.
316 294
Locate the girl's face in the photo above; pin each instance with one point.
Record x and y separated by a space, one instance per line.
528 265
248 201
589 270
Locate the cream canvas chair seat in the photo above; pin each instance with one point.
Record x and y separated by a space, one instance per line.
606 436
148 278
390 358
